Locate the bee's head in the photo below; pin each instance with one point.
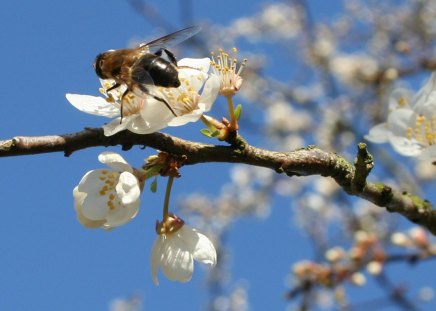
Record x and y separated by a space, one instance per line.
99 65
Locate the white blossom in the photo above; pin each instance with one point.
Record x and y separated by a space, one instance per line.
226 68
107 198
144 114
175 252
411 127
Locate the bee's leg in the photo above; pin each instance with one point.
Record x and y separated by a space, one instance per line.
145 90
113 87
122 104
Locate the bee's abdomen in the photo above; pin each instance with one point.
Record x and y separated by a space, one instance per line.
161 72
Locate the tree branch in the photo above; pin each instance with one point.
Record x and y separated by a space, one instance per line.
300 162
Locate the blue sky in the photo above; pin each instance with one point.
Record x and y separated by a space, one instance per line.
48 260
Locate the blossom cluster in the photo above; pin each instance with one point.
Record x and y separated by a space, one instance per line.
108 198
367 253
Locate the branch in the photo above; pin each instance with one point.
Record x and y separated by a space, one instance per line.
300 162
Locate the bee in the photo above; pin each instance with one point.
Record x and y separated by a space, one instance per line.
141 67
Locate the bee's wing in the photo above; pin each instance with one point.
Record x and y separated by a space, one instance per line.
170 40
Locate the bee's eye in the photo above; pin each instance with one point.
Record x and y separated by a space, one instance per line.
98 64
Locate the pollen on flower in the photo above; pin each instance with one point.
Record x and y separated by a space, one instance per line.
183 99
109 180
188 101
103 190
424 131
226 68
402 101
111 204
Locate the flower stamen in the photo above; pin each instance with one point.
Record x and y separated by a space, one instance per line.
226 68
424 131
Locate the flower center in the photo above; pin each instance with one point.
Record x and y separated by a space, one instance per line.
183 99
226 68
424 131
188 101
132 104
109 180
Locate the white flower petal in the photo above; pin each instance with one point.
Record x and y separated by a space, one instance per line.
95 207
156 257
202 248
422 96
195 81
93 105
405 146
155 116
428 153
177 263
116 126
427 108
186 118
90 182
191 66
378 134
400 98
210 92
115 161
128 189
399 121
122 214
79 197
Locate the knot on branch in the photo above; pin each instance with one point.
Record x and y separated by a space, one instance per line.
363 164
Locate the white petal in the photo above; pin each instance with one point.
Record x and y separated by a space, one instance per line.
193 116
154 116
399 121
199 244
128 189
428 153
378 134
194 81
405 146
202 64
427 108
156 257
140 126
116 126
79 197
177 262
115 161
422 96
122 215
400 98
93 105
94 206
210 92
90 182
